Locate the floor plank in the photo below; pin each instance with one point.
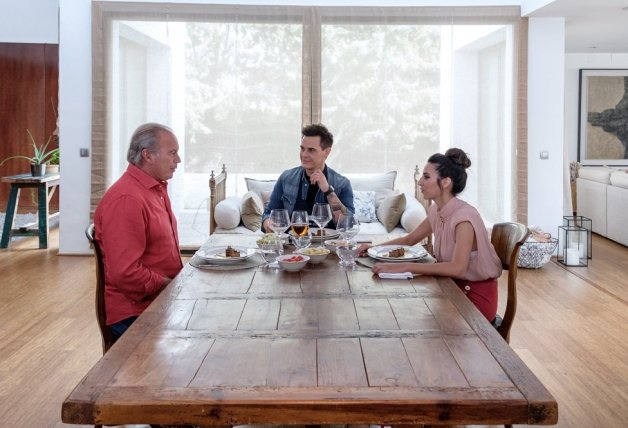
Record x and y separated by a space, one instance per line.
570 330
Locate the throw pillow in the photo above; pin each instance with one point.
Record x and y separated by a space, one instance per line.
364 204
251 210
381 184
227 213
412 217
390 210
259 186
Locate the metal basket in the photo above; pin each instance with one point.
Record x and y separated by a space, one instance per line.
534 254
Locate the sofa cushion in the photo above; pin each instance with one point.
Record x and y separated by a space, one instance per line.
600 174
251 210
364 204
619 178
262 187
413 215
390 210
227 213
382 184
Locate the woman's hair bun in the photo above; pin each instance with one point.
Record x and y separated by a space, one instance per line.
458 157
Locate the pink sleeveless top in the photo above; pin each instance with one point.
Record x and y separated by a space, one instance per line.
483 263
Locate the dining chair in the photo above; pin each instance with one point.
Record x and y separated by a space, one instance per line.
107 337
507 239
217 193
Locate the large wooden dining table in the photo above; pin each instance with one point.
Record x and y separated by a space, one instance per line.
326 345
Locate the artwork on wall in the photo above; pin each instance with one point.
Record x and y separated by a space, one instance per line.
603 117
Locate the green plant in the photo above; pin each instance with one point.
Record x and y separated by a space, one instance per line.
41 154
54 158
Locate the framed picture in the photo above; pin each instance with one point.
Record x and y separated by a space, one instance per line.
603 117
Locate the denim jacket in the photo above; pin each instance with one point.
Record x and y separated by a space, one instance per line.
290 182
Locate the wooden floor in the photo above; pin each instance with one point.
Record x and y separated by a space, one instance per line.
571 329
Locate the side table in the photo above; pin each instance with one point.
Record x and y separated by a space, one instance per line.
46 186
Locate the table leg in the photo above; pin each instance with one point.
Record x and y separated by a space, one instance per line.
42 202
10 216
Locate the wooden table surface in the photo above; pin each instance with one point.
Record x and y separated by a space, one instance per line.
321 346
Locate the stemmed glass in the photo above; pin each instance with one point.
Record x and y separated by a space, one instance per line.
348 226
321 215
300 225
279 221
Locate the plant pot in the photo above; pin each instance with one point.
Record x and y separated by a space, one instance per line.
52 169
38 169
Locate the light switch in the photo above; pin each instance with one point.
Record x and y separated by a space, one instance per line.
544 154
84 153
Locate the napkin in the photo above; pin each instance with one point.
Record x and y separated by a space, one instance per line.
400 275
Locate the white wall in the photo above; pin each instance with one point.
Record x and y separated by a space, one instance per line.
29 21
573 64
546 77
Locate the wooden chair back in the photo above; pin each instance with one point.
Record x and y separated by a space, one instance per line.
507 239
217 193
425 202
101 314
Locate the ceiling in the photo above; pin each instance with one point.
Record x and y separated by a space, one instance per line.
591 26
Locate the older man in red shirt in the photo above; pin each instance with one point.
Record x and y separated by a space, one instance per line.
136 228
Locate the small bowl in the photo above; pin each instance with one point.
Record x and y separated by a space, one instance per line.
270 237
288 262
316 254
332 244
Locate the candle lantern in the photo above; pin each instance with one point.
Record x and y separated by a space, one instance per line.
584 222
574 248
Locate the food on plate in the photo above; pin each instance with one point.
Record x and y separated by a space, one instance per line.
315 251
398 252
320 232
231 252
267 238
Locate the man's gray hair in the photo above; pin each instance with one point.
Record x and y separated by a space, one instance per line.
145 136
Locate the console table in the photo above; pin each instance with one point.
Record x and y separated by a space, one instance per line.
46 186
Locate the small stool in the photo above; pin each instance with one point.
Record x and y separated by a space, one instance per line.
46 186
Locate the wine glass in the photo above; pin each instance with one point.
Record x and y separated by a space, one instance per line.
348 225
300 226
279 221
321 215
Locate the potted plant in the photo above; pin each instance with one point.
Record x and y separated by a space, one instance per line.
53 163
41 155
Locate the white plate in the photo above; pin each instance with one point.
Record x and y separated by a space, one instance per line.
217 255
411 253
329 233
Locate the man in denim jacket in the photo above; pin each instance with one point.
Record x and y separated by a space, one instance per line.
299 188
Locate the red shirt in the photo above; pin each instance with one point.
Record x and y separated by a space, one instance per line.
137 232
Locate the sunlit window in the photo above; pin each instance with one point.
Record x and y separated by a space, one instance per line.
237 90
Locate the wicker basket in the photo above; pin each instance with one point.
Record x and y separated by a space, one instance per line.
534 254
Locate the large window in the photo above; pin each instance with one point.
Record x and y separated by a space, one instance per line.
237 83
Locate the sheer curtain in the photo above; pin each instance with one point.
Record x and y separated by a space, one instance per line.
236 83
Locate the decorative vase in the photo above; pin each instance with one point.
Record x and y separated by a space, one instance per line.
38 169
52 168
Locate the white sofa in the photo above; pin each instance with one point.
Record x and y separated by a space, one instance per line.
602 196
382 209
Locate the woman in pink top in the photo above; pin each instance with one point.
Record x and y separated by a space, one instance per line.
462 247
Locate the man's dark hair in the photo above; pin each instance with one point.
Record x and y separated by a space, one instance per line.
318 129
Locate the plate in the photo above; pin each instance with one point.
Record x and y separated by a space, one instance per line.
411 253
329 233
216 255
